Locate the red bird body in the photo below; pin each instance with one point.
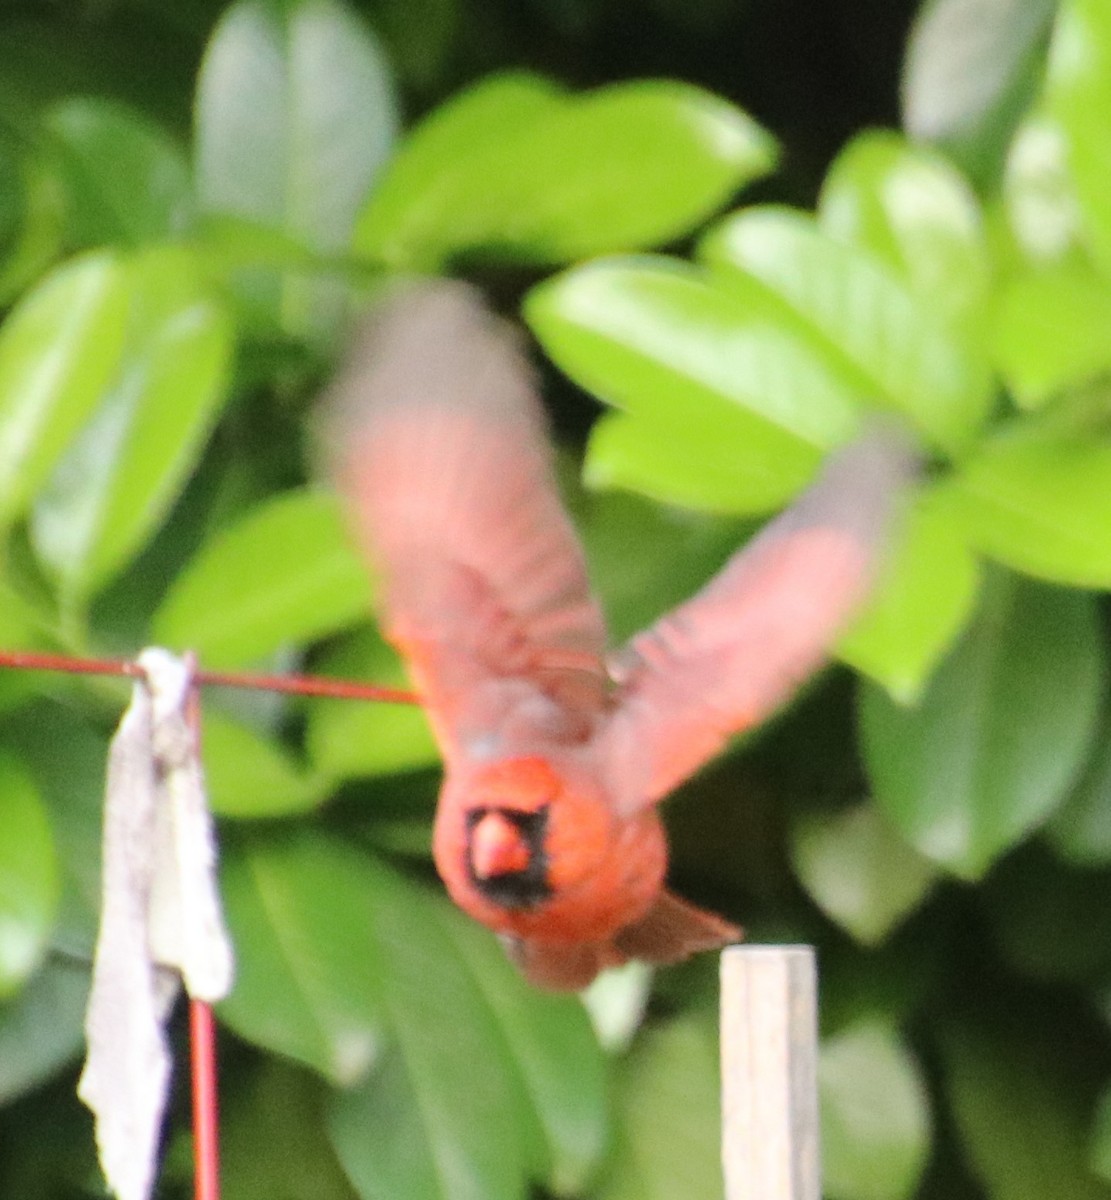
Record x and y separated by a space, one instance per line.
546 829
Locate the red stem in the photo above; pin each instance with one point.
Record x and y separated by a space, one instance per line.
202 1030
206 1121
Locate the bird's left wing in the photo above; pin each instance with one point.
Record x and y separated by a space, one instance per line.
728 657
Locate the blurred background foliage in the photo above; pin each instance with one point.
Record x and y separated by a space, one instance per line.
736 225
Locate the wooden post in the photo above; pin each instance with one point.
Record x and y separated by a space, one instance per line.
769 1054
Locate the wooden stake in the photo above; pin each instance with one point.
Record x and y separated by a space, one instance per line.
769 1054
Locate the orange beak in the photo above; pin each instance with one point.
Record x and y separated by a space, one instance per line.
497 847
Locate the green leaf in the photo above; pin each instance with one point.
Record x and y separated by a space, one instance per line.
1019 1095
28 876
411 1134
857 869
128 180
1000 732
43 59
856 312
12 199
1100 1160
400 836
921 602
15 686
67 758
479 120
128 465
295 114
42 1028
669 1117
1048 918
516 170
641 456
875 1116
734 411
250 776
970 66
23 626
1078 95
284 573
282 291
1040 502
1050 331
229 244
396 814
422 37
1080 830
556 1052
1039 197
458 1068
909 207
41 229
272 1138
59 348
349 738
889 985
308 974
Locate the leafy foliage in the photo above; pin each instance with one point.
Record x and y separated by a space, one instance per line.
173 301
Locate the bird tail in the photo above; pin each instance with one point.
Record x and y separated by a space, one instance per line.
669 932
673 930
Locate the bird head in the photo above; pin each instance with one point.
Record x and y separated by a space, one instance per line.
529 844
506 828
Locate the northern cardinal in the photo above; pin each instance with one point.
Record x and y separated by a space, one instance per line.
546 828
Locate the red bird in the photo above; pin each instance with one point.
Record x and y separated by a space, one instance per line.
546 829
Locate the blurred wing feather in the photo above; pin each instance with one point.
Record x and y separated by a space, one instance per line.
438 443
672 930
727 658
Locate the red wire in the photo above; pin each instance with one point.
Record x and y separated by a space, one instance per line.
299 685
27 660
309 685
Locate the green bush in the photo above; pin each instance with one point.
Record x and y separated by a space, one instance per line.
936 819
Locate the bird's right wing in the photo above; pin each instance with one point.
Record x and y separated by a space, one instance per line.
438 445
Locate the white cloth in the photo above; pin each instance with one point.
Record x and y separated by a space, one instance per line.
160 923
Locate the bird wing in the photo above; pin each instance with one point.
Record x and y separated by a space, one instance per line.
727 658
438 444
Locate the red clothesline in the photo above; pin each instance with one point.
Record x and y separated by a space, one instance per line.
206 1157
299 685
